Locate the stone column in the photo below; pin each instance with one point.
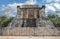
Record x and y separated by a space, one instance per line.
39 13
22 14
27 13
35 13
43 12
21 20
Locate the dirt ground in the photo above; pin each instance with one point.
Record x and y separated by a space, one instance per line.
29 37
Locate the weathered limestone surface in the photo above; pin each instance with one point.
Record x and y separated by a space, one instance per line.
43 25
46 29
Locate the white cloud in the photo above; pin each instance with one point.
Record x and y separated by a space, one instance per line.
49 1
54 6
57 5
56 1
50 7
30 2
11 9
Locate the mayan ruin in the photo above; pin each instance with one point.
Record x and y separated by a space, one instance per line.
30 21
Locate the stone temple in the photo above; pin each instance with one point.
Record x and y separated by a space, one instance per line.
30 21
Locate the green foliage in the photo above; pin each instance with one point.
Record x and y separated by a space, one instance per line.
55 19
52 15
5 21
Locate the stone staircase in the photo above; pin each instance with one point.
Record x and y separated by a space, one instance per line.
44 28
30 31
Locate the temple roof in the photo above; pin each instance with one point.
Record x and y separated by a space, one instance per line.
30 6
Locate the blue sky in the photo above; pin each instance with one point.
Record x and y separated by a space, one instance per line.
8 7
5 2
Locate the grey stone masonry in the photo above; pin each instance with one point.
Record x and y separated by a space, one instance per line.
30 21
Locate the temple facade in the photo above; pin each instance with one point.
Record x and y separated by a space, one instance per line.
29 14
30 21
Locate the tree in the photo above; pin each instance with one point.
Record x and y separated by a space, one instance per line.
52 15
5 21
55 19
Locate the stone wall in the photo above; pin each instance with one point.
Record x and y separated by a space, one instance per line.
47 29
43 25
